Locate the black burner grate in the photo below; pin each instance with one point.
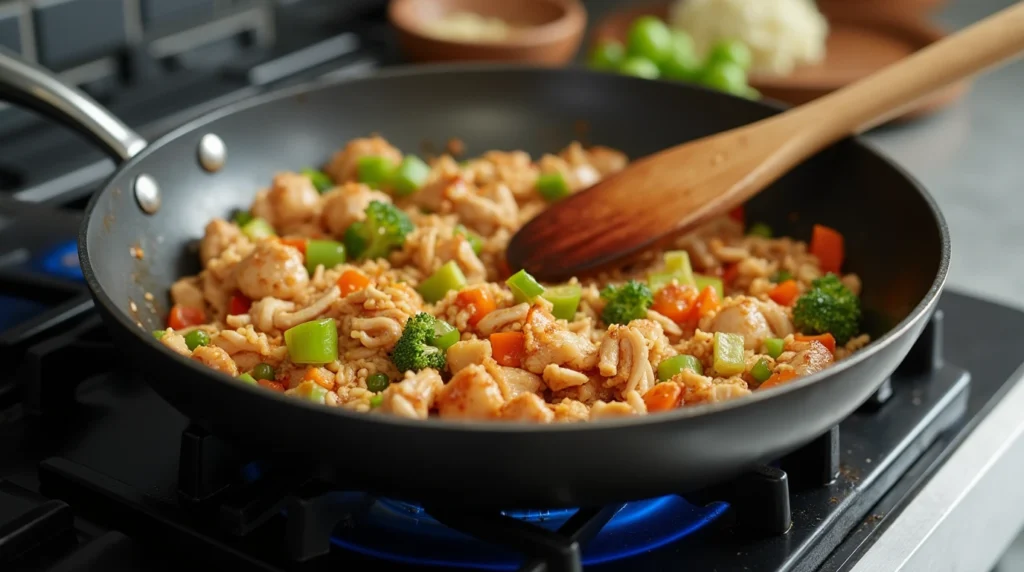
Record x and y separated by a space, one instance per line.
273 512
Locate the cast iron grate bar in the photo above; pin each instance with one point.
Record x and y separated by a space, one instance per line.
53 369
37 524
14 341
206 466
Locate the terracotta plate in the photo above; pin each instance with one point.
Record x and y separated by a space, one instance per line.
858 44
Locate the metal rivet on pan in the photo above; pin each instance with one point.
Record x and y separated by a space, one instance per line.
212 152
147 193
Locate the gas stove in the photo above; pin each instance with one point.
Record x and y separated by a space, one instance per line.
98 473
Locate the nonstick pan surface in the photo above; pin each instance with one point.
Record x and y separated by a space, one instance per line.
896 238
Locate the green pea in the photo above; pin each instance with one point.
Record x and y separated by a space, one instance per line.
732 51
263 371
640 67
196 338
649 38
377 382
727 77
607 56
683 63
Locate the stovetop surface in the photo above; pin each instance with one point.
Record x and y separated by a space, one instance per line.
107 446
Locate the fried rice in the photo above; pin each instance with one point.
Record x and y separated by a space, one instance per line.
514 360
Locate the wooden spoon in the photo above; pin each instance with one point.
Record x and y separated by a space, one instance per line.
660 196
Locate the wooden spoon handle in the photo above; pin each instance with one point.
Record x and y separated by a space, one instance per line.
887 93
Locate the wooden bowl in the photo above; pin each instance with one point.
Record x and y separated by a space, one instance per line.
859 43
548 32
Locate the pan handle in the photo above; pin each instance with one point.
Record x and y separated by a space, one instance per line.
36 88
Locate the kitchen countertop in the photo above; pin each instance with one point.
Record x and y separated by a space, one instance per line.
968 157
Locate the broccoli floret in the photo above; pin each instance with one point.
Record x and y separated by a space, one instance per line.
413 350
383 230
828 307
626 303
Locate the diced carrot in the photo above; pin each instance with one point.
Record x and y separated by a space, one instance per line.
185 316
296 243
827 245
778 379
707 302
508 348
272 385
478 301
352 281
663 397
825 339
317 376
737 214
674 301
239 304
785 293
730 273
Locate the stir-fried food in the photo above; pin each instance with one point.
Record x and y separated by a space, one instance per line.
379 285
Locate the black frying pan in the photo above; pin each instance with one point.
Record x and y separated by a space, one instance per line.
896 240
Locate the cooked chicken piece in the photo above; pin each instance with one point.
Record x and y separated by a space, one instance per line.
527 407
602 410
429 247
377 332
588 393
499 319
218 279
654 336
701 389
559 378
272 269
626 359
434 195
471 394
242 340
748 317
175 341
186 292
579 176
725 253
603 159
248 360
288 319
291 201
777 317
810 357
218 236
669 327
549 342
347 204
263 312
608 362
513 168
569 411
216 358
344 165
634 400
513 381
607 160
493 208
413 396
469 352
